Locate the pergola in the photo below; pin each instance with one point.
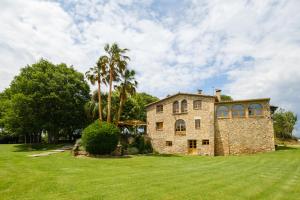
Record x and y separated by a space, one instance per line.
133 123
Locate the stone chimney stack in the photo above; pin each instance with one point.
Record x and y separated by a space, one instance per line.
218 94
199 91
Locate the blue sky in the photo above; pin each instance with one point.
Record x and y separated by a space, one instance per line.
249 49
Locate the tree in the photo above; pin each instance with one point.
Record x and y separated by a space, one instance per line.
45 98
226 98
117 62
127 87
98 74
134 106
284 123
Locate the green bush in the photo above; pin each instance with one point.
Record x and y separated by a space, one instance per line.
132 151
143 144
100 140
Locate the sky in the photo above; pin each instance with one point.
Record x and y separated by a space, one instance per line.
249 49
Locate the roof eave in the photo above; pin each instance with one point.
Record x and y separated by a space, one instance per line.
243 100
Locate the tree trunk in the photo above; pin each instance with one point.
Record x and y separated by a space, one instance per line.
50 137
99 101
109 96
120 109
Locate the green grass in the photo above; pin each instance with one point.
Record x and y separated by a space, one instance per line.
274 175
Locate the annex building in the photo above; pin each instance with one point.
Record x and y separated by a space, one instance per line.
202 124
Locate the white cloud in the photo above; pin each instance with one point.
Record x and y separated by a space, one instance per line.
174 47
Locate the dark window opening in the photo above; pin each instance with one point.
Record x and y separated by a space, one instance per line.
159 108
205 142
197 123
169 143
197 104
159 126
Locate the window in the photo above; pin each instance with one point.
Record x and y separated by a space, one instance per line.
205 142
238 111
180 125
197 123
197 104
222 111
255 109
159 108
159 126
168 143
176 107
192 144
184 106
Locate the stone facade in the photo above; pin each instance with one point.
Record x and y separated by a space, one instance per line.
216 135
244 134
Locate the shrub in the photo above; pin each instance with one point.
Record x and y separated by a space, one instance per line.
148 147
100 140
143 144
132 150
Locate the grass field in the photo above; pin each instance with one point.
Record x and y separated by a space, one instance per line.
274 175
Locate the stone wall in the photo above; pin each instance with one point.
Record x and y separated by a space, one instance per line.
244 135
180 142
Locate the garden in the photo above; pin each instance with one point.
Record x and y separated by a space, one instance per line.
61 176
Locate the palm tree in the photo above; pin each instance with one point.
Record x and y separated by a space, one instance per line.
116 65
127 87
98 74
91 109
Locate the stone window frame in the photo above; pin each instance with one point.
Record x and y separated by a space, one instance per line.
254 110
205 142
175 109
159 108
184 106
169 143
181 130
197 127
157 128
238 111
223 116
197 102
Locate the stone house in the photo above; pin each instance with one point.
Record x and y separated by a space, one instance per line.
200 124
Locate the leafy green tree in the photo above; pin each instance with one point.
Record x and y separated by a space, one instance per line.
126 88
45 98
117 62
98 74
284 123
135 107
226 98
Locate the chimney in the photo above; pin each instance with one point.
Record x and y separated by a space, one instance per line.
218 94
199 91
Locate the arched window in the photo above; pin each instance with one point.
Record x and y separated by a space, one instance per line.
183 106
176 107
180 125
255 109
238 111
222 111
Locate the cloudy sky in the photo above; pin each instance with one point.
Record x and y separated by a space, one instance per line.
249 49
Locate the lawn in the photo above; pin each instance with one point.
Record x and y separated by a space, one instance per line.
274 175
